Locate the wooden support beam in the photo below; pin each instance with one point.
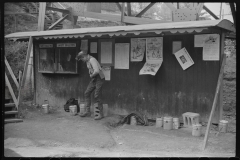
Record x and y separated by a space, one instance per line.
145 9
233 13
19 81
214 101
123 11
11 72
120 7
11 91
210 12
131 20
57 22
129 9
15 23
57 9
170 6
41 17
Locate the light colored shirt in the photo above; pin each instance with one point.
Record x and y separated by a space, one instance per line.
94 67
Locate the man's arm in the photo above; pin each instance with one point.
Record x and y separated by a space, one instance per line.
94 64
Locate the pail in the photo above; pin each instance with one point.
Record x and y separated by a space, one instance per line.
45 106
223 126
133 121
175 123
196 130
159 122
82 108
168 123
73 110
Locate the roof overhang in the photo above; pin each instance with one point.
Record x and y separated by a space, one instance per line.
158 28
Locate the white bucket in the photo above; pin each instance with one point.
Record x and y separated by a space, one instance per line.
159 122
197 130
73 110
133 121
176 123
223 126
45 108
82 108
168 123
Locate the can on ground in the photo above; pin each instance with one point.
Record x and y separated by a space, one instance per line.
168 123
176 123
73 110
159 122
133 120
197 130
223 126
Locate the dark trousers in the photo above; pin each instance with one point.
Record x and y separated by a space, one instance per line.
96 84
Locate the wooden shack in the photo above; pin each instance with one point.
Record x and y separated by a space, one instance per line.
171 91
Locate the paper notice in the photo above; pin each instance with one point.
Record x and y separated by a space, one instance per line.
107 72
199 40
93 47
154 49
138 48
121 56
150 68
84 45
184 58
106 52
211 47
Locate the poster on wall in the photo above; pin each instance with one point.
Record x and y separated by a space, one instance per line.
84 45
121 56
154 56
199 40
184 58
107 72
150 68
138 48
93 47
106 52
154 49
211 47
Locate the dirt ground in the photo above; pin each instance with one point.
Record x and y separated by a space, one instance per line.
59 134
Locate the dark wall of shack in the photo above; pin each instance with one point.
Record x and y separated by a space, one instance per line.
171 92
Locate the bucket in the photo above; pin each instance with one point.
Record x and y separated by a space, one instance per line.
82 108
196 130
223 126
176 123
168 123
45 107
133 121
159 122
73 110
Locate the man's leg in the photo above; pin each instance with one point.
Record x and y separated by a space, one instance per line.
90 88
98 95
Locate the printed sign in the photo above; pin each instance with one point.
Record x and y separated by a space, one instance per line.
45 45
184 58
138 48
66 45
154 49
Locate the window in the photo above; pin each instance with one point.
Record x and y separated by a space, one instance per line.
58 58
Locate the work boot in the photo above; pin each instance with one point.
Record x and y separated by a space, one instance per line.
98 113
87 113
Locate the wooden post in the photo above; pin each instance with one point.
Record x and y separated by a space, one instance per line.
15 22
11 91
41 16
214 102
25 68
123 11
11 73
129 9
19 77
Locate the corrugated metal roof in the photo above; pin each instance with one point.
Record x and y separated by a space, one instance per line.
99 31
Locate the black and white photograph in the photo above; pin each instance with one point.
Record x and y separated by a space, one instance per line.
119 79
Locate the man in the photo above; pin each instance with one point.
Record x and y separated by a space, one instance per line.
96 83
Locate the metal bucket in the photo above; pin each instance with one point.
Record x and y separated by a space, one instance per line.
133 121
45 107
73 110
168 123
159 122
176 123
82 108
196 130
223 126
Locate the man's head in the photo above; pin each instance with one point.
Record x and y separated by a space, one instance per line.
82 55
